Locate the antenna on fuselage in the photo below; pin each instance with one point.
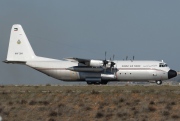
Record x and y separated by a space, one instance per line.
126 57
132 59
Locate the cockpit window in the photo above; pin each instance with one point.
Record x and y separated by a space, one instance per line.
162 65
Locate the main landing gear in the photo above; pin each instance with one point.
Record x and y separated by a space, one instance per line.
97 83
158 82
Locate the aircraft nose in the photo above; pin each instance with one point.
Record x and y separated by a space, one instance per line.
171 74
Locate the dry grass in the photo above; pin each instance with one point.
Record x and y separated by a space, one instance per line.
75 103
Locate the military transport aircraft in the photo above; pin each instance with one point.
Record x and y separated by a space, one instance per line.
89 70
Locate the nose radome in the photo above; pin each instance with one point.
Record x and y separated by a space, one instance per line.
171 74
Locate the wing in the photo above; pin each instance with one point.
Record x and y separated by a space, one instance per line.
86 65
91 62
80 60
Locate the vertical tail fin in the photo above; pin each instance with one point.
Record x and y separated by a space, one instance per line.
19 49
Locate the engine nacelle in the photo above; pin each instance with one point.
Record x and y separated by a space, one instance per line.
96 63
108 76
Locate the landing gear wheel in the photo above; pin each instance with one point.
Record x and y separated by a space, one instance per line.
158 82
97 83
89 83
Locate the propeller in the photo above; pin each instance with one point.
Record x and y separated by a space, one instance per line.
112 63
105 62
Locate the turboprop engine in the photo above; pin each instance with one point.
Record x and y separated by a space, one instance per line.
101 63
96 63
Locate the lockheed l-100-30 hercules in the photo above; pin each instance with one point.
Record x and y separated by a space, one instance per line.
89 70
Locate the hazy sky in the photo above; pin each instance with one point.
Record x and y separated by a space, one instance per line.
149 30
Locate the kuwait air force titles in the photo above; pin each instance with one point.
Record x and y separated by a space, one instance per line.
89 70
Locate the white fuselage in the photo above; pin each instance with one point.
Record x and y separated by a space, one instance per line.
89 70
126 71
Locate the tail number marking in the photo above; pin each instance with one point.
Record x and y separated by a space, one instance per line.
18 53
